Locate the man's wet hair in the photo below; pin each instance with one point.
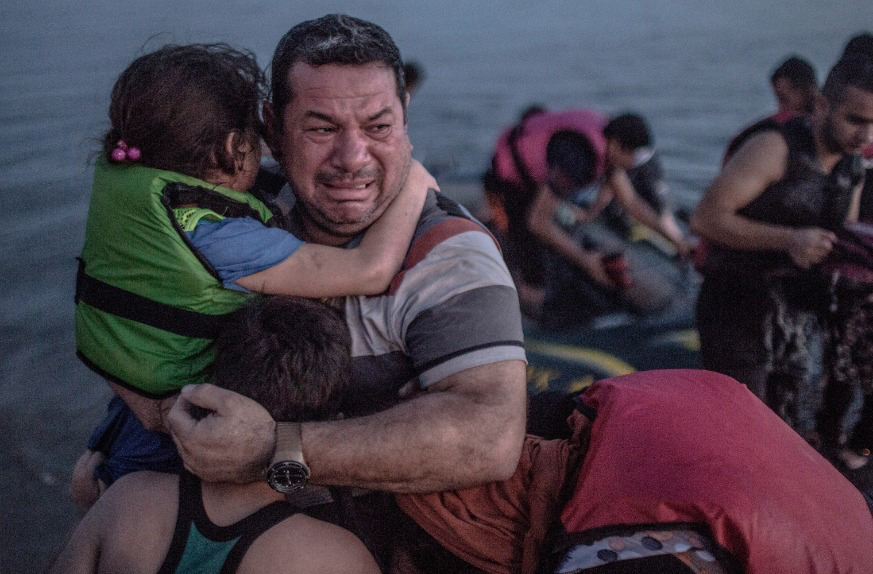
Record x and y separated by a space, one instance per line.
179 103
574 154
854 70
859 44
798 71
292 355
630 131
333 39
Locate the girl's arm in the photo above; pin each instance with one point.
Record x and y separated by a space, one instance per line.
322 271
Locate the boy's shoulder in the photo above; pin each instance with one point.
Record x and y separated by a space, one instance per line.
143 493
309 544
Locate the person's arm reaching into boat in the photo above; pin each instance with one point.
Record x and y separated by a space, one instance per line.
618 185
541 222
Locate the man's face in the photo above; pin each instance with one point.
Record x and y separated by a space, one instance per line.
343 146
848 125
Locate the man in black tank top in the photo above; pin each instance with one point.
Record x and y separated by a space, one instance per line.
291 355
770 218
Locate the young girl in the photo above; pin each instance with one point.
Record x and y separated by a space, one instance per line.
174 243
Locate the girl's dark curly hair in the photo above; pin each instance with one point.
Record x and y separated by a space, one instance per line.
178 105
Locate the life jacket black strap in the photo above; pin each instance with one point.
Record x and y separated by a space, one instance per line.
125 304
520 167
179 194
589 412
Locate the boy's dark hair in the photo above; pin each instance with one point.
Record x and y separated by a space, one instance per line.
859 44
290 354
630 131
574 154
178 104
799 73
333 39
853 70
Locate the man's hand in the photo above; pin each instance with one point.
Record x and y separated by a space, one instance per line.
234 442
592 263
810 246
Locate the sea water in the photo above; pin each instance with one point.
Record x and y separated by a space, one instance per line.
697 69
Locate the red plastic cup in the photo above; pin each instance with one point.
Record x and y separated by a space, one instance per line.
616 267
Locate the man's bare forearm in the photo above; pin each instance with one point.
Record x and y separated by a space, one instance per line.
468 430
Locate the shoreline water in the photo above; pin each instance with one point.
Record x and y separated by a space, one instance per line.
698 70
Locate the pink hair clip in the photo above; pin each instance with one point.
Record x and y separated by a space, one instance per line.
123 153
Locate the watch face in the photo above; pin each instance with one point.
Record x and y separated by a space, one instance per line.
287 475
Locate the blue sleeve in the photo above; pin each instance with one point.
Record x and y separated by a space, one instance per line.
240 246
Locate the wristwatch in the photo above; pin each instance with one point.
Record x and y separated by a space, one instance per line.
288 472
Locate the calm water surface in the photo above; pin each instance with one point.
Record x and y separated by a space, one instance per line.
697 69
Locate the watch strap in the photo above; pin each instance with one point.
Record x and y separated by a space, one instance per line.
289 443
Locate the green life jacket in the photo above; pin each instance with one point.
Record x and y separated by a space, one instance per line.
148 305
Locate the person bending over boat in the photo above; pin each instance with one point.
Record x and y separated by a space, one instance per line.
585 277
517 186
665 472
771 217
634 172
174 243
291 355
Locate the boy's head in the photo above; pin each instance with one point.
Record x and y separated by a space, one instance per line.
572 161
625 134
795 85
292 355
192 109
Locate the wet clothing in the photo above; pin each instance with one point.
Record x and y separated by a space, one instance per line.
761 318
850 359
769 123
200 545
851 366
660 464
